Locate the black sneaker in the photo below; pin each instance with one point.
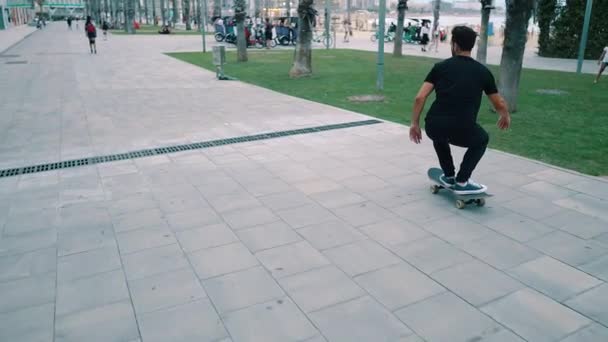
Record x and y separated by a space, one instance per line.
447 182
470 188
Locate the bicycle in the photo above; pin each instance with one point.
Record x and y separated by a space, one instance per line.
323 38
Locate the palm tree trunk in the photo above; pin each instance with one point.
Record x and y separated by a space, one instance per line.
482 48
139 10
154 21
516 34
241 41
146 11
436 8
186 11
217 8
398 45
302 64
348 7
175 13
130 16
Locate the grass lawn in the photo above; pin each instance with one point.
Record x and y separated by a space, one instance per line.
569 130
151 29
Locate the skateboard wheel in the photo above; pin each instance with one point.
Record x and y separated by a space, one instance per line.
460 204
434 189
481 202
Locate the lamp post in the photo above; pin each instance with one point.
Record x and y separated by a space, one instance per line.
380 60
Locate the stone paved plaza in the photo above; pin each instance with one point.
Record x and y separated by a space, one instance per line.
328 236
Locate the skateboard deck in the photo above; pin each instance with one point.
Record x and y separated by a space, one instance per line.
461 200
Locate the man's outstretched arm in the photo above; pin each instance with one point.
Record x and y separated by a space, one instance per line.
419 101
500 105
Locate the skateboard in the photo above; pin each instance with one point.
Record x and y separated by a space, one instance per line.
461 200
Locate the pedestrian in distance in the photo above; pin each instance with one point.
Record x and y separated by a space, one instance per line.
268 33
91 33
458 83
105 27
347 30
602 62
69 20
424 36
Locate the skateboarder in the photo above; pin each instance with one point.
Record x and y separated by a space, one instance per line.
452 119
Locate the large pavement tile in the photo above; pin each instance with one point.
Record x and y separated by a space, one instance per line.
131 204
593 304
285 200
86 240
330 234
393 197
457 230
399 285
231 202
597 268
362 319
291 259
587 205
319 288
139 219
266 187
27 292
247 218
193 219
362 214
590 187
532 207
34 324
553 278
431 254
337 198
278 320
535 317
394 232
518 227
87 293
196 321
592 333
88 263
31 221
242 289
165 290
476 282
361 257
268 236
145 238
365 183
315 186
459 320
500 251
206 237
111 323
182 203
305 215
28 264
578 224
23 243
569 248
546 191
422 212
213 262
513 178
154 261
557 177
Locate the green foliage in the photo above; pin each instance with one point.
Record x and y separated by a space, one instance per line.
569 130
561 28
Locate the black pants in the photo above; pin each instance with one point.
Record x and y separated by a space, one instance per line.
473 137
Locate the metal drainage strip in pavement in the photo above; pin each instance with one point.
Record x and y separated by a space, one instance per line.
177 148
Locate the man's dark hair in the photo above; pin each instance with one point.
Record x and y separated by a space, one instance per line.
465 37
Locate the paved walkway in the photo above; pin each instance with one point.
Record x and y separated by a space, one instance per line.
14 35
330 236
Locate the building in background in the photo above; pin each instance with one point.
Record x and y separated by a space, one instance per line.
62 9
15 13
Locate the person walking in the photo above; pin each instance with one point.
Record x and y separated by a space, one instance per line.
268 33
458 83
69 20
424 36
105 27
91 33
347 30
602 62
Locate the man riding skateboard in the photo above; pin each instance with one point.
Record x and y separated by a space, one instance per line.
458 83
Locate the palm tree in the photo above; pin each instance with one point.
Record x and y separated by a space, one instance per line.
217 8
240 12
436 8
401 8
162 12
482 48
175 13
186 11
516 34
130 16
154 13
302 64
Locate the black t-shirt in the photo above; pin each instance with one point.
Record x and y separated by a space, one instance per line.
459 82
